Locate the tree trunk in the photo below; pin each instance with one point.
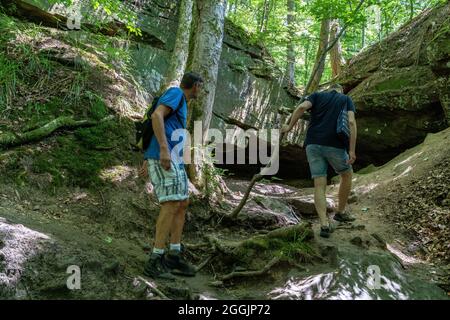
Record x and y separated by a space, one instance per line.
319 64
265 16
363 36
205 57
180 52
308 45
336 58
290 68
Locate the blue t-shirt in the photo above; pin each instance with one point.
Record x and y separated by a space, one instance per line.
171 98
325 110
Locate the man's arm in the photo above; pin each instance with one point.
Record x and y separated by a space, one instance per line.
298 113
353 134
158 117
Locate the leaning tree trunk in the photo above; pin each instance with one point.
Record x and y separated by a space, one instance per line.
207 41
290 68
180 52
336 58
319 64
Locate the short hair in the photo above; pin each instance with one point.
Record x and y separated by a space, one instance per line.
190 79
337 87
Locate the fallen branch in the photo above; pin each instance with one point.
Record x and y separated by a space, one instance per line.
153 288
242 274
10 139
255 179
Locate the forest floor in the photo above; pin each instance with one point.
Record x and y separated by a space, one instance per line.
107 233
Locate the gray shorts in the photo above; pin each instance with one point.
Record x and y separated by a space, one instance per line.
320 156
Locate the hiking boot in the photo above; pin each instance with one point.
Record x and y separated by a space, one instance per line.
155 268
343 217
325 232
178 265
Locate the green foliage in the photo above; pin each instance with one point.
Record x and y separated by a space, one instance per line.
375 20
98 11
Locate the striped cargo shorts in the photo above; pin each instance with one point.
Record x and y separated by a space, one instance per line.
169 185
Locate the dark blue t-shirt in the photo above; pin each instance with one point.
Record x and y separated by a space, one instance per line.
325 110
171 98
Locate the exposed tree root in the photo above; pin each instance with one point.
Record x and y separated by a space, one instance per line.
10 139
237 210
242 274
262 252
153 288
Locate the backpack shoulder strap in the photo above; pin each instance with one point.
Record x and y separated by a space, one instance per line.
180 105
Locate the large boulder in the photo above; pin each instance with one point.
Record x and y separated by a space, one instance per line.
400 87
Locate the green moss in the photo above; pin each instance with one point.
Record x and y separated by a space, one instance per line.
262 248
77 161
105 135
396 83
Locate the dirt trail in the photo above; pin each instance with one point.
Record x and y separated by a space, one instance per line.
111 248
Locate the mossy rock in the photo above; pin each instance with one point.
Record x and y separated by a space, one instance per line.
291 242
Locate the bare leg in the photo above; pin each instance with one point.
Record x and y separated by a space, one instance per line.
164 223
178 222
320 201
344 190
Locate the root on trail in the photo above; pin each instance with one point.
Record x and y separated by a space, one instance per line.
257 255
153 288
10 139
242 274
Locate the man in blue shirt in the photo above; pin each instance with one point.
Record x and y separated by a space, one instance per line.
164 157
324 147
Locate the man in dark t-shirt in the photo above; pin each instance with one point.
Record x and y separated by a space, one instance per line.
323 148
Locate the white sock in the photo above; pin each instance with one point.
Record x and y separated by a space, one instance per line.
158 251
175 247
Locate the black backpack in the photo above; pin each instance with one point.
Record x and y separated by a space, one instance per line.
144 128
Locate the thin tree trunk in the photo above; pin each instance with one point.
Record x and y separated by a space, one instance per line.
320 60
336 58
205 58
363 36
319 64
308 45
290 68
181 50
264 17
